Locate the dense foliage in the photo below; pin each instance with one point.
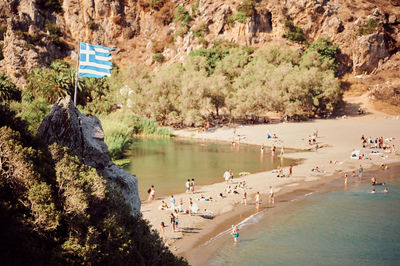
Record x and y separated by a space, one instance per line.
368 27
8 91
119 128
236 81
294 33
55 210
327 51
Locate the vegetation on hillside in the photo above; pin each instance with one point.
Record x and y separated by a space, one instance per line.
237 81
368 27
56 211
294 33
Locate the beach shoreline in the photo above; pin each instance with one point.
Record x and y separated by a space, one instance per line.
337 137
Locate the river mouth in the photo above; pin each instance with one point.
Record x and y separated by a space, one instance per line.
167 163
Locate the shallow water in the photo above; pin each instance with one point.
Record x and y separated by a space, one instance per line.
345 227
167 163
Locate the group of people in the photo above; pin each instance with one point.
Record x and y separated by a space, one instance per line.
378 143
279 171
228 176
190 186
374 181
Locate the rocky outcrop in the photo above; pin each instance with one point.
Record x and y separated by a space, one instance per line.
369 52
84 135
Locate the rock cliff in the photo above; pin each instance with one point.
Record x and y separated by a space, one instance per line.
84 135
367 32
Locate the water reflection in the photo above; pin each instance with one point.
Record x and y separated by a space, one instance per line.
168 163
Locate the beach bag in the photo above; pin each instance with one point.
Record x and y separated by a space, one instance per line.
148 191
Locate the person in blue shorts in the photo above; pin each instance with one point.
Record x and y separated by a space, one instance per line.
235 233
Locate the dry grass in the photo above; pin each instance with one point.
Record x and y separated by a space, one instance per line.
386 107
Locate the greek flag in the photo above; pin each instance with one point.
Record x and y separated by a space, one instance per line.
94 61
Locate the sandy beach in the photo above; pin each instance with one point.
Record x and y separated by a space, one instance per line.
337 139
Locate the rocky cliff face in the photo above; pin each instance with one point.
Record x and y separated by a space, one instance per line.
84 135
139 28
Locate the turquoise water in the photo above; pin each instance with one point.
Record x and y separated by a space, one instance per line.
345 227
167 163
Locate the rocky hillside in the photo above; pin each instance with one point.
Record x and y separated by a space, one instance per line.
367 32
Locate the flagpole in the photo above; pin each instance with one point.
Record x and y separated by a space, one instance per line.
77 71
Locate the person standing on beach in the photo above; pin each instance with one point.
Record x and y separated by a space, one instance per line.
192 186
244 199
172 200
227 176
172 220
258 200
235 233
271 199
152 193
188 186
162 226
345 178
176 219
290 170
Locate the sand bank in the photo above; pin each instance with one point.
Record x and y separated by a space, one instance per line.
337 138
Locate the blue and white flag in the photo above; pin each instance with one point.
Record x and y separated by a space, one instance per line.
94 61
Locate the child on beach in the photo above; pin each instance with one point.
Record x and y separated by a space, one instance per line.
258 200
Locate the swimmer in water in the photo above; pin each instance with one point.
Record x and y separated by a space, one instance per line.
235 233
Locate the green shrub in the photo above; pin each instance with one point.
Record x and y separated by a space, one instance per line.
181 32
201 30
368 28
8 90
92 25
182 15
158 57
120 127
33 112
246 7
212 56
156 4
3 31
50 5
327 51
239 16
53 29
294 33
195 8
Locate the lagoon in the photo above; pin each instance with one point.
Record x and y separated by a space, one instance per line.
167 163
